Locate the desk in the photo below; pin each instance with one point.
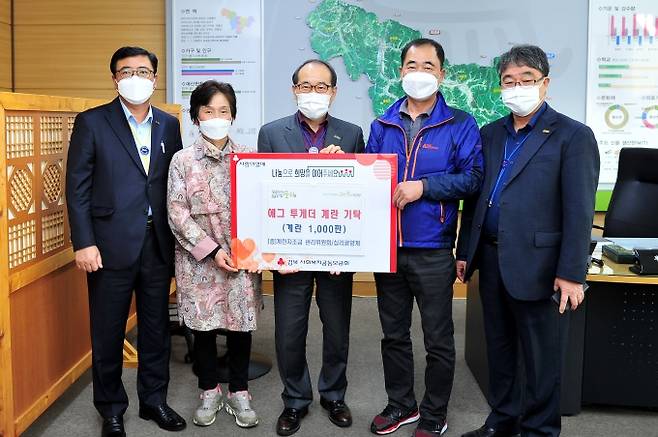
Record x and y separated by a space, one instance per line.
621 338
612 349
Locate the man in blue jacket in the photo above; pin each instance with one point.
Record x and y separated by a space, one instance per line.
439 162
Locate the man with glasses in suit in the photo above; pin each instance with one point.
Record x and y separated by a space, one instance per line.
312 130
528 232
116 186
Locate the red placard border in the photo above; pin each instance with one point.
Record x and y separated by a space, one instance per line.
390 158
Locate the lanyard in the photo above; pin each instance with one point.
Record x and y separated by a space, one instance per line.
144 149
506 163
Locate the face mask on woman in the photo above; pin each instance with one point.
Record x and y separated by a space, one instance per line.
215 128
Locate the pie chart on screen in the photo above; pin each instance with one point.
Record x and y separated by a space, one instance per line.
650 116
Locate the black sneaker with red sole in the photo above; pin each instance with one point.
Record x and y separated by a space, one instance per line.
392 418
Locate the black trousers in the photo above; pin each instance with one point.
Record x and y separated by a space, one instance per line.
292 302
110 294
238 345
541 333
428 276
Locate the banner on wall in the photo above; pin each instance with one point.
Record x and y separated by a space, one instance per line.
622 82
220 40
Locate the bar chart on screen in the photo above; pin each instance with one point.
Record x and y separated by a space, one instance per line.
633 28
622 78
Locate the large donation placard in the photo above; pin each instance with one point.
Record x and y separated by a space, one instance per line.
314 212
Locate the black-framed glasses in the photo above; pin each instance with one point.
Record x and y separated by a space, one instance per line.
143 72
509 83
306 87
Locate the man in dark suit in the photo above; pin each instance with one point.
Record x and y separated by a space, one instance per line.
116 184
312 130
528 232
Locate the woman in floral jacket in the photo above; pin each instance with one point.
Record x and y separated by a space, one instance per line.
212 293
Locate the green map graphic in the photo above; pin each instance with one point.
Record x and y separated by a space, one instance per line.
238 24
371 47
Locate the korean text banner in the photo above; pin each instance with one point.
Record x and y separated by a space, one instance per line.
313 212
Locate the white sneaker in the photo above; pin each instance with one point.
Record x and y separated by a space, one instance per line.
238 406
211 402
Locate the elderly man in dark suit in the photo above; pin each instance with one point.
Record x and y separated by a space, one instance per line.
116 186
528 232
312 130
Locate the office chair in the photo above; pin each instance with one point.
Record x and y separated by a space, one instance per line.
633 209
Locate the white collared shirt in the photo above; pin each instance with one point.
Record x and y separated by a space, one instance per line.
141 133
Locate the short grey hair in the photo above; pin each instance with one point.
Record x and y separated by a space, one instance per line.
524 55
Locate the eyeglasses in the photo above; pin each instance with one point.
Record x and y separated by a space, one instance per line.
142 72
525 82
320 88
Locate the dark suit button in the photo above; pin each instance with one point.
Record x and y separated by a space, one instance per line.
479 226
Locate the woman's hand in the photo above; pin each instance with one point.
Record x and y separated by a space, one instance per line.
224 261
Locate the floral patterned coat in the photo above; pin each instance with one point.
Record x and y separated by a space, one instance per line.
199 209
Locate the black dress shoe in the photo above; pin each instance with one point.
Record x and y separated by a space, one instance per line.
485 431
113 427
290 420
164 416
339 412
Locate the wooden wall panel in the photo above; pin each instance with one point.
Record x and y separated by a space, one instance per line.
5 11
44 348
64 57
159 96
89 12
5 56
5 45
75 40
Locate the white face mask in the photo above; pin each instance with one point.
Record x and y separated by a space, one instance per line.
215 128
420 85
313 105
135 89
521 100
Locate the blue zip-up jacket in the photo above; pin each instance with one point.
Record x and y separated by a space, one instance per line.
447 155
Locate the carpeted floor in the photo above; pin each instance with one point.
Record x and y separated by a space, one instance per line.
73 414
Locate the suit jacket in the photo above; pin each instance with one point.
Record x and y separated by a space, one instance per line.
108 192
285 136
546 207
